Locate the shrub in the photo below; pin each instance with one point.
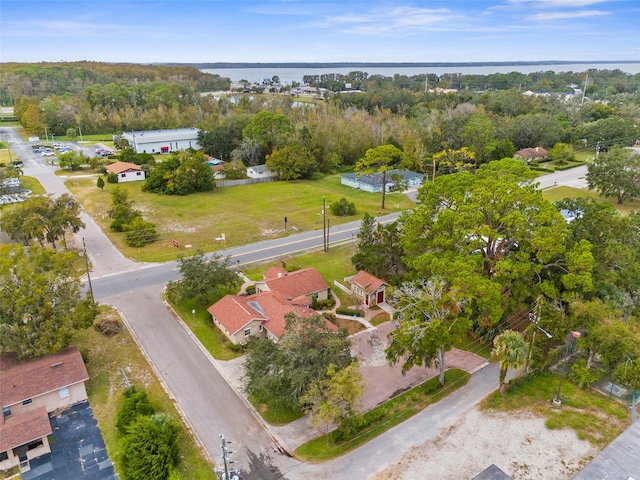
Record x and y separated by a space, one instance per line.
343 208
251 289
348 311
136 403
112 178
140 233
108 326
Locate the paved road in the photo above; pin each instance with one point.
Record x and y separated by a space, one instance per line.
208 404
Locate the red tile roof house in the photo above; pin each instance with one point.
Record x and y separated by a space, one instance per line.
126 172
369 288
29 391
263 314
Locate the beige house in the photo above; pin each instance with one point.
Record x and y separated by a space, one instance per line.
370 289
299 287
260 315
263 314
29 391
530 154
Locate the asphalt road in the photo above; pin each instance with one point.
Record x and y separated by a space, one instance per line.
208 404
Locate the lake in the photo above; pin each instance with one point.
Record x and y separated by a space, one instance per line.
288 75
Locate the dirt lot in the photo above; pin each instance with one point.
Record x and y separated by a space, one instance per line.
519 444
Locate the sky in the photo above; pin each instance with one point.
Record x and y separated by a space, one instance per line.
203 31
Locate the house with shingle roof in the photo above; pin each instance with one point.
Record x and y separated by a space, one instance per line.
260 315
373 182
299 287
530 154
264 314
367 287
126 172
29 391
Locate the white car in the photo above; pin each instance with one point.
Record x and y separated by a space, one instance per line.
47 153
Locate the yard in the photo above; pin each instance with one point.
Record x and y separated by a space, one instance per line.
243 214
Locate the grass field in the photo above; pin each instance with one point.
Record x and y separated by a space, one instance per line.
593 416
105 357
560 193
244 214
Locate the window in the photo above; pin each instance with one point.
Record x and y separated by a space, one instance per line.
138 173
6 412
64 392
35 444
261 328
4 456
247 332
27 401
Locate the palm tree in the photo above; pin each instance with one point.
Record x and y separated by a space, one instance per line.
511 349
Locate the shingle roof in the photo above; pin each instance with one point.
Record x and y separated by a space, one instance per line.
120 167
531 153
298 283
234 312
32 378
17 430
366 281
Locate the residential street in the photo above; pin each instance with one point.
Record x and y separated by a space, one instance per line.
208 404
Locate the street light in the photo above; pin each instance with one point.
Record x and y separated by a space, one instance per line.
569 340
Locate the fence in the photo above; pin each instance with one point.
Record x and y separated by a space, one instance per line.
244 181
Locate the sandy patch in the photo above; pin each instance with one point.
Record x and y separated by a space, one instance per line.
518 443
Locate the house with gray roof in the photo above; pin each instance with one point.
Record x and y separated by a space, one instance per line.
163 141
373 182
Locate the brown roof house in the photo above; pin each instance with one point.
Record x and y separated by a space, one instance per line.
370 289
298 287
126 172
263 314
29 391
530 154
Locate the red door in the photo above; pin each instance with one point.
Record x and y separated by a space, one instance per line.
380 296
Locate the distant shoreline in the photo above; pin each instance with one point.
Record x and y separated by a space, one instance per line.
219 65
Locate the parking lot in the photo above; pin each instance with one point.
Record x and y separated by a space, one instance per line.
77 451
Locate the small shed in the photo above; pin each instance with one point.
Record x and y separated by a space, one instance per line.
370 289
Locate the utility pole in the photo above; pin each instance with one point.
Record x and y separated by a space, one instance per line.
225 460
324 224
86 263
327 249
584 88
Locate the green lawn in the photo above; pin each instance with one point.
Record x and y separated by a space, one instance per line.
593 416
244 214
560 193
105 357
199 322
382 418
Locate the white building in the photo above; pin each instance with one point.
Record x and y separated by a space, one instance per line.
163 141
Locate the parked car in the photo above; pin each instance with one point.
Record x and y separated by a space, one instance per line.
47 153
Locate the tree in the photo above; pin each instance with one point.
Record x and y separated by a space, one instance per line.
269 129
121 210
150 448
184 173
42 218
335 399
380 160
281 373
292 162
139 232
41 304
616 173
343 208
562 153
72 160
204 278
379 250
432 318
100 183
136 403
493 237
510 348
248 152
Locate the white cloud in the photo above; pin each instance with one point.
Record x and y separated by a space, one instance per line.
556 3
567 15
